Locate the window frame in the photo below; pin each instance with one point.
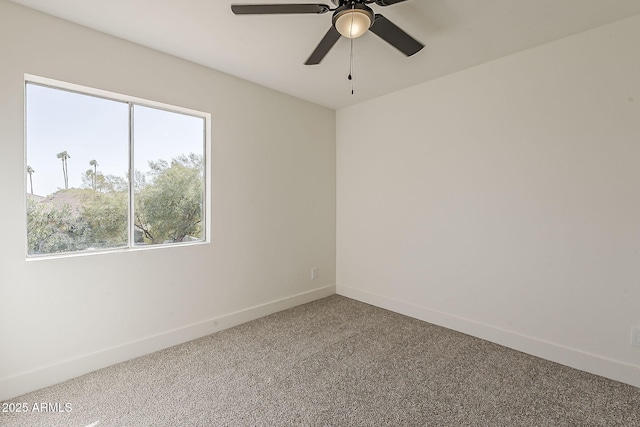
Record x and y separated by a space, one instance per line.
131 101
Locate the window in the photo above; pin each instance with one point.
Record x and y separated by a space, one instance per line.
106 171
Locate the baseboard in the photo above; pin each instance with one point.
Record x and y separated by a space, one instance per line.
573 358
35 379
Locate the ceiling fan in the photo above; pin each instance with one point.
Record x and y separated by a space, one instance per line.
351 19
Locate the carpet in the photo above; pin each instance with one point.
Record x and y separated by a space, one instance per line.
334 362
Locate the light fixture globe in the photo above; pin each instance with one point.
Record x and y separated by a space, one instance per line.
354 20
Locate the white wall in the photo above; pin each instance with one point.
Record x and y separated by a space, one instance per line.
273 194
504 201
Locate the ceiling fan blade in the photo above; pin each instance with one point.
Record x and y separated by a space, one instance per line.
272 9
393 35
324 46
387 2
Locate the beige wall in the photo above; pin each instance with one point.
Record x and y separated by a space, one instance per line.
273 209
504 201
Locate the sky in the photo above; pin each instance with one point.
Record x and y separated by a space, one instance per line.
92 128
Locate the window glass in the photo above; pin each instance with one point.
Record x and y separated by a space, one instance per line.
169 172
80 195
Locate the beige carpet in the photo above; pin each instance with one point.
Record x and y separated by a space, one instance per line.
335 362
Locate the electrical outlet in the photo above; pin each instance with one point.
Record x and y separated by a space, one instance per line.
314 273
635 337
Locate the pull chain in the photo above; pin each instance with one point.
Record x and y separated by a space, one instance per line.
351 66
351 51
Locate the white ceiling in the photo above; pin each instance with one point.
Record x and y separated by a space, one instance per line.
270 50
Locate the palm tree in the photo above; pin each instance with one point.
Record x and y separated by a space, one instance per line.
95 172
30 171
64 156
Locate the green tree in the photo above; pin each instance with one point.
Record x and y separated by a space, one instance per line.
104 183
97 220
30 171
88 179
53 230
106 217
95 172
169 206
107 183
65 172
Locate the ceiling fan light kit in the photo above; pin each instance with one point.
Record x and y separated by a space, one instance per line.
351 19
